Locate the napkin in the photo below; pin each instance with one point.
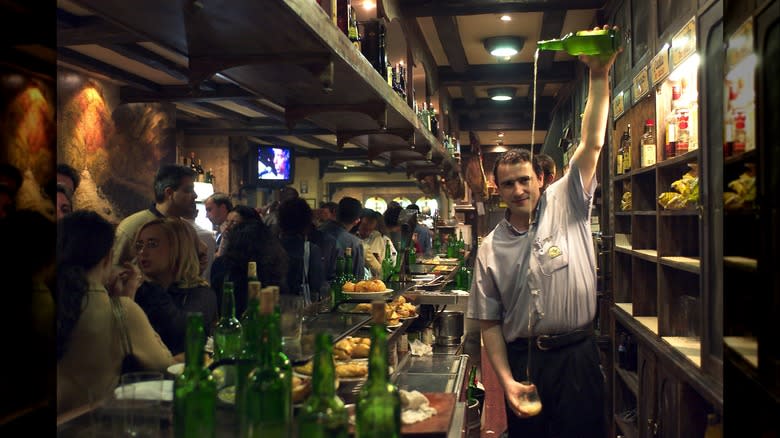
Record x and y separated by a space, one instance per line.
419 348
415 407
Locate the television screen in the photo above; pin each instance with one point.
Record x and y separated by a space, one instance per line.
274 164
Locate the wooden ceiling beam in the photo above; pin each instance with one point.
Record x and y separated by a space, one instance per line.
147 57
506 74
91 64
75 30
433 8
449 35
552 25
421 52
185 93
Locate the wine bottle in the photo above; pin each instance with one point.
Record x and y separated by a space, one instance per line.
251 276
342 15
323 414
194 390
586 42
627 151
267 401
193 164
251 326
199 169
227 333
472 389
281 360
378 408
620 152
336 294
349 266
352 31
648 144
387 263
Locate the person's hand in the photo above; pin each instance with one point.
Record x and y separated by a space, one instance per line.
515 393
125 280
600 64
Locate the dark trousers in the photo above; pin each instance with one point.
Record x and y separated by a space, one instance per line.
570 385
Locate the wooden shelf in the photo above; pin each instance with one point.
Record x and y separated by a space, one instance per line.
740 158
630 378
646 254
747 347
644 213
682 212
643 170
684 158
649 322
621 177
622 213
746 264
626 307
629 429
689 347
690 264
624 249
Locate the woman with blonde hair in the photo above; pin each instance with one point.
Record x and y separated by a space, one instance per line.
167 253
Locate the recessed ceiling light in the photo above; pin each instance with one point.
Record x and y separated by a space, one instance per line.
503 46
369 4
500 135
506 18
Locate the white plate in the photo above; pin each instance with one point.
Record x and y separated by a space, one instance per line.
148 391
369 295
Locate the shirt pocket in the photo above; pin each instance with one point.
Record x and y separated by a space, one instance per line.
551 252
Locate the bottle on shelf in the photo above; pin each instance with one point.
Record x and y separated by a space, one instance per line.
352 30
378 407
627 150
728 126
342 15
619 155
739 133
323 414
648 144
586 42
209 176
194 390
670 146
193 163
199 170
266 410
683 133
227 333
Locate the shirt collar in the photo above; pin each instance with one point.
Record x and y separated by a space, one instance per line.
155 211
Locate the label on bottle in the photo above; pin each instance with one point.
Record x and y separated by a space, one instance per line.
619 160
648 154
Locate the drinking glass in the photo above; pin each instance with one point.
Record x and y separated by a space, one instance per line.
141 395
291 307
530 403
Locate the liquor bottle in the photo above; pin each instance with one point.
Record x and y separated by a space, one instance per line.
387 263
266 410
402 80
342 15
683 134
352 29
251 326
194 390
201 173
349 266
728 128
394 79
382 63
378 407
670 147
434 123
336 294
227 333
210 176
323 415
586 42
193 163
648 144
627 151
739 133
620 152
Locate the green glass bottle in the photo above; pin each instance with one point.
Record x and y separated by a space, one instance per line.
266 411
227 334
586 42
275 326
194 390
349 266
378 409
412 254
461 246
336 295
251 276
387 263
323 414
436 244
251 326
472 389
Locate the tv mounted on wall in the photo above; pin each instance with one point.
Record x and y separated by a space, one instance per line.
275 165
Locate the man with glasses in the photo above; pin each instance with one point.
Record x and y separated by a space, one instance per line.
174 196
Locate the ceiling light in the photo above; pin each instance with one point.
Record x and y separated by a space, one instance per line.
501 93
369 4
503 46
500 135
506 18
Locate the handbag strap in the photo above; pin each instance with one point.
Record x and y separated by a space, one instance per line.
119 317
306 289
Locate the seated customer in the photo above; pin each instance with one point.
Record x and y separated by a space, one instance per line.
295 218
95 332
167 255
239 214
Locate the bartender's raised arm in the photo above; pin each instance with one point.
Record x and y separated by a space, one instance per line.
594 120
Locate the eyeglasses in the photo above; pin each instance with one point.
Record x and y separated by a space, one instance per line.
150 244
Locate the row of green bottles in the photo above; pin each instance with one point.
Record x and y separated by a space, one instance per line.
194 390
227 333
266 401
586 42
323 415
378 408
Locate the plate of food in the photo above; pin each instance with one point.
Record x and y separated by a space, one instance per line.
301 390
346 371
351 348
366 289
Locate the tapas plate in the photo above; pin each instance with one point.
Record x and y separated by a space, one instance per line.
369 295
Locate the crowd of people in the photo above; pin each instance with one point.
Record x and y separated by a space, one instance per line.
113 298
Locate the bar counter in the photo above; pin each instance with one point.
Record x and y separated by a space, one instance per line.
441 376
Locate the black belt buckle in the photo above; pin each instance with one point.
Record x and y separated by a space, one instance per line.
539 340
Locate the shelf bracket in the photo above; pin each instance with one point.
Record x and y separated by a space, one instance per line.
342 137
295 113
203 67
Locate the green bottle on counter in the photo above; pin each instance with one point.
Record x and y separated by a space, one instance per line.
378 408
266 409
586 42
387 263
436 244
323 415
194 390
349 267
275 326
412 255
251 327
336 294
227 333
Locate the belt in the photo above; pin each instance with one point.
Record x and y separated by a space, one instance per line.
552 342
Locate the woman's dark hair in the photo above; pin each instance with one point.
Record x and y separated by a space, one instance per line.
295 216
84 239
391 215
246 213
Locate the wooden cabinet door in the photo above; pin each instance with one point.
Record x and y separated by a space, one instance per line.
646 411
667 406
